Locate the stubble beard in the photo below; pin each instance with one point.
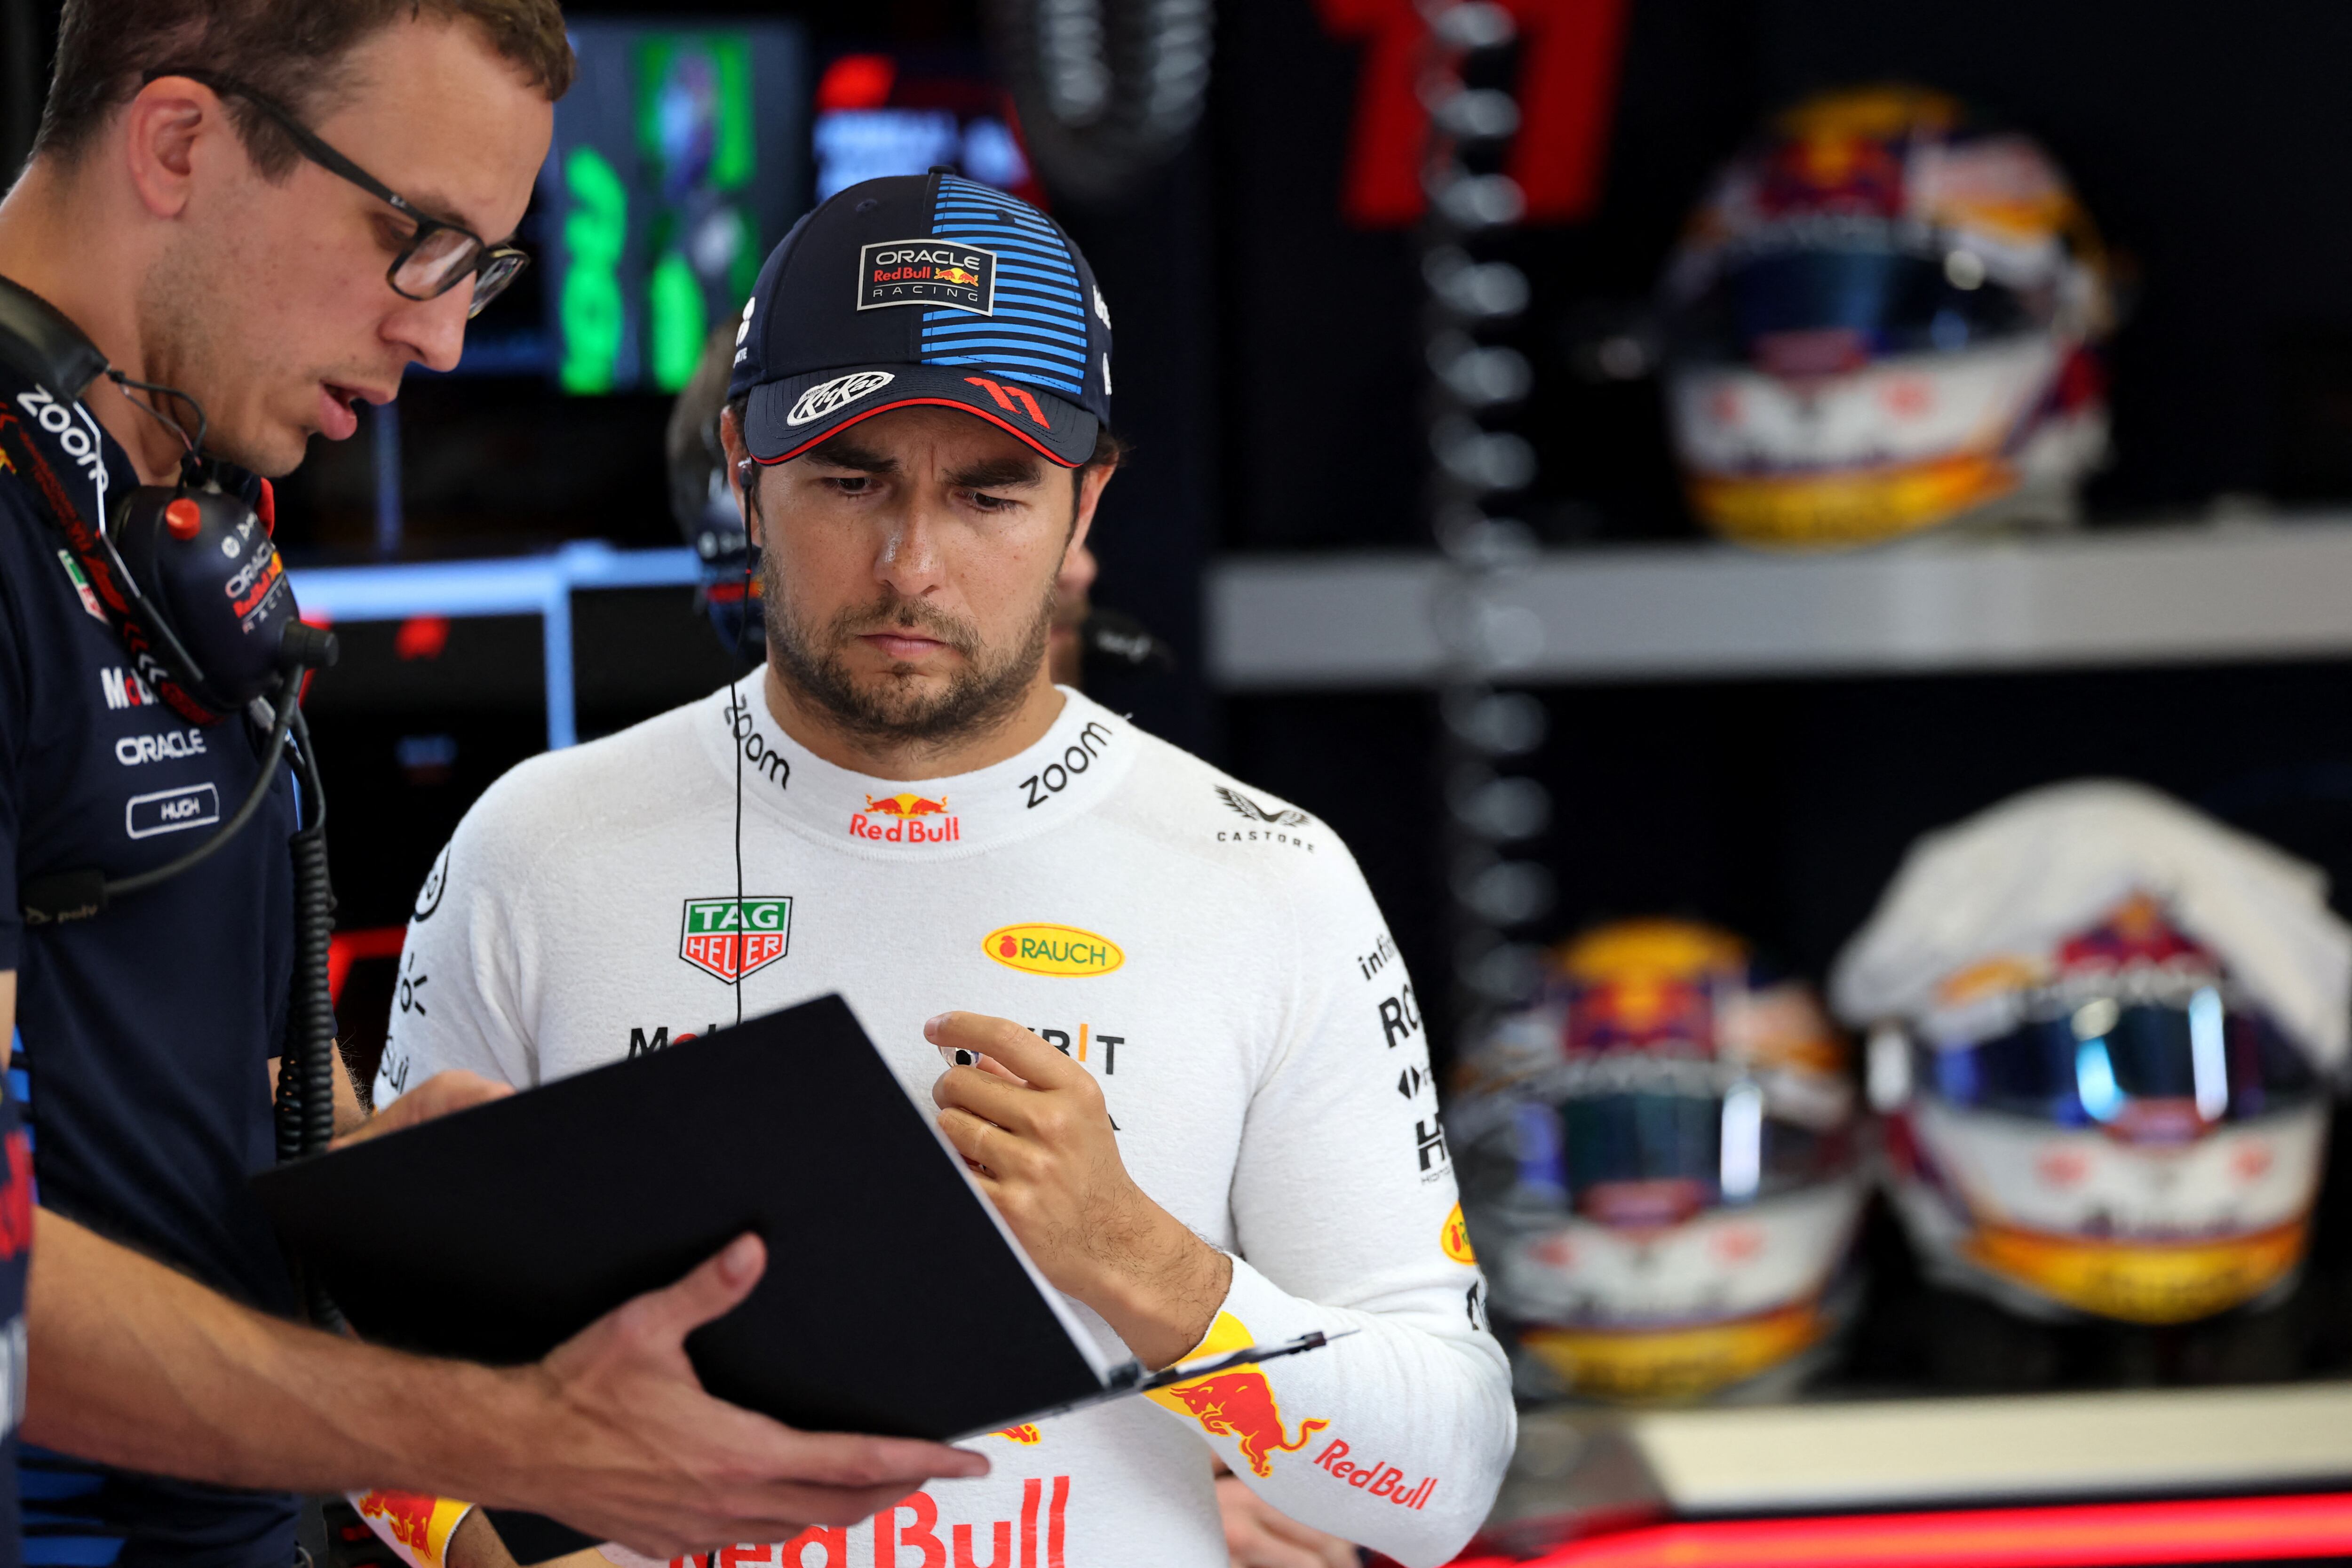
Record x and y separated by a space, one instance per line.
894 708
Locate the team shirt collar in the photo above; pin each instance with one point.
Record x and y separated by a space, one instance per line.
1087 750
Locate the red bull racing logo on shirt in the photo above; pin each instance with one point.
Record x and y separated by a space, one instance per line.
729 938
906 819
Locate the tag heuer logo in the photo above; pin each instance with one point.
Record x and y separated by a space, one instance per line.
935 272
712 939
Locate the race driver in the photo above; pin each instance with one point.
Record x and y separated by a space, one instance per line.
1210 1123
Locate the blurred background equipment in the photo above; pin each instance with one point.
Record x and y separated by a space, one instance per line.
2104 1030
1662 1167
1882 317
671 176
1107 90
1474 385
703 503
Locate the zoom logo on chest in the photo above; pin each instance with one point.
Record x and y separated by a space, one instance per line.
1076 758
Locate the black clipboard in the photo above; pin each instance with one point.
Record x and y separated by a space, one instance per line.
894 1301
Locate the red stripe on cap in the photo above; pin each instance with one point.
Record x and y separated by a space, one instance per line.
863 414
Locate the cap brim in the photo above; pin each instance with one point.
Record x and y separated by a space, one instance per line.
785 419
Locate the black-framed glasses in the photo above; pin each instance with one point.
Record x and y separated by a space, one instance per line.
438 257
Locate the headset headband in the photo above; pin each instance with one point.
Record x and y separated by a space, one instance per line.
36 340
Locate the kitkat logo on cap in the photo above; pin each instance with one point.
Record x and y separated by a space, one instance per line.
1039 948
939 273
831 396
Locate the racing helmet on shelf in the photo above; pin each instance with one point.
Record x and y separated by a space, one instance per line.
2103 1031
1882 317
1664 1168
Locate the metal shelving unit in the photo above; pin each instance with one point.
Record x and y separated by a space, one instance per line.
2275 588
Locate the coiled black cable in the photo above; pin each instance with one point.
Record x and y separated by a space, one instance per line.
306 1075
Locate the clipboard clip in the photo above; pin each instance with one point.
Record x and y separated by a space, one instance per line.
1186 1371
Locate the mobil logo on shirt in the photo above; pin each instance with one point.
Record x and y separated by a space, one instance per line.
728 938
906 819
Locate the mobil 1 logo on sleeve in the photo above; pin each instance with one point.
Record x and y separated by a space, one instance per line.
729 938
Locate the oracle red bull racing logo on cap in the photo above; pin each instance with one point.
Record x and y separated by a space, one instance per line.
1040 949
731 938
1237 1403
906 819
938 273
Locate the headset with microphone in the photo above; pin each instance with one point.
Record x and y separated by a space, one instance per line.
189 578
185 573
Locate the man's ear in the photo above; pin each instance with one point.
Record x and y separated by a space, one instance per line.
1092 482
741 473
167 129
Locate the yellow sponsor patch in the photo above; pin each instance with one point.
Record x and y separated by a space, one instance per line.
1041 949
1455 1237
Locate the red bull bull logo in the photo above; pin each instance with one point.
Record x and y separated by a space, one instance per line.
1024 1433
903 805
413 1525
904 822
957 275
1238 1403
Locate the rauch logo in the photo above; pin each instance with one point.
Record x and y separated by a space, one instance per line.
1038 949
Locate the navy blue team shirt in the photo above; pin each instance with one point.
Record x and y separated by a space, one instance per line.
144 1034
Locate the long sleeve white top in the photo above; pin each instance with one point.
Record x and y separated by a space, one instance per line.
1209 953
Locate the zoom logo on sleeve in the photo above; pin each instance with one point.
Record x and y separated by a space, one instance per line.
170 810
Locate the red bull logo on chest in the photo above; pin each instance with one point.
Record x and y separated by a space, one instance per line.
906 819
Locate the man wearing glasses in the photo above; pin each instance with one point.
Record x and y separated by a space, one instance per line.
270 208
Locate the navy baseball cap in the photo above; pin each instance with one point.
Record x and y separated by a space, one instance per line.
924 289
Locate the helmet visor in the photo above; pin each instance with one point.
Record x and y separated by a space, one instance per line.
1818 313
1642 1157
2093 1065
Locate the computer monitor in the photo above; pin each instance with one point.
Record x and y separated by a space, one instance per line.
681 157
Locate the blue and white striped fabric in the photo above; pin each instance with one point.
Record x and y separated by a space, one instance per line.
1038 333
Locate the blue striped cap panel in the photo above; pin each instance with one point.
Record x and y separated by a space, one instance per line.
1037 331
